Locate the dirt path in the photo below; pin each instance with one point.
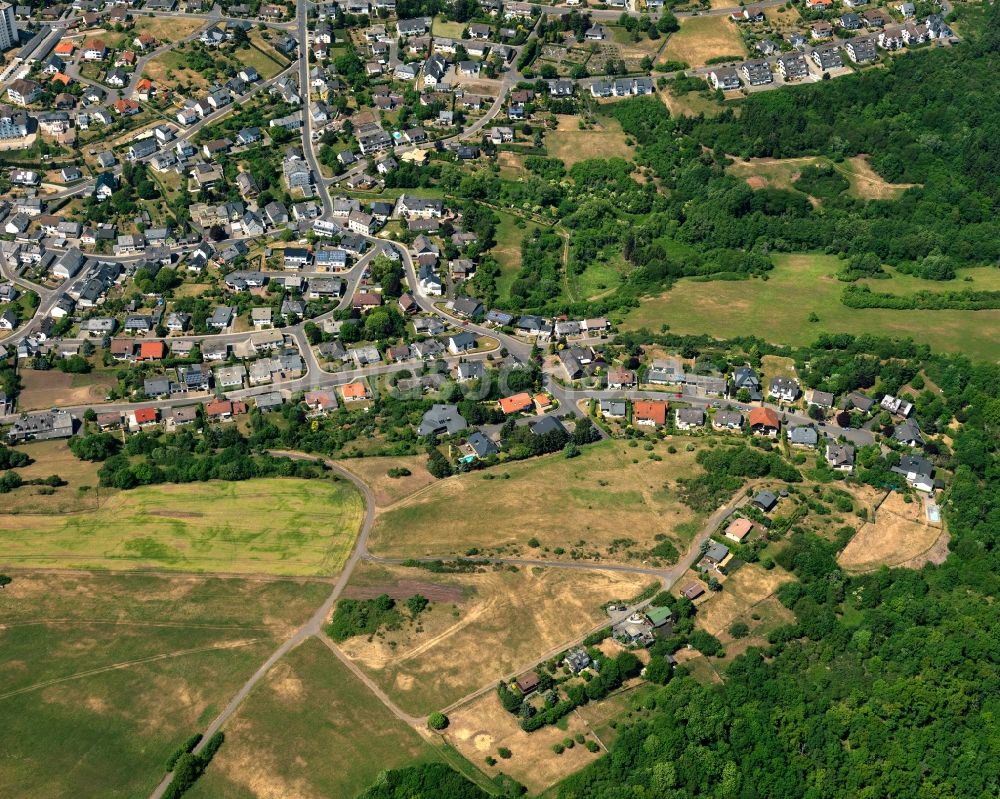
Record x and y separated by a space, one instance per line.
129 663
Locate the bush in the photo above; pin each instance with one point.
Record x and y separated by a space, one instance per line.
739 629
558 748
399 471
437 721
504 752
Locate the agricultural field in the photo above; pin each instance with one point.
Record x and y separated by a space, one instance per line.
900 535
702 38
45 389
605 505
804 284
604 139
267 526
517 616
309 729
105 675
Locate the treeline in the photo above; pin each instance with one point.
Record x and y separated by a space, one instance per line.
864 297
436 781
150 458
727 468
613 672
368 616
188 767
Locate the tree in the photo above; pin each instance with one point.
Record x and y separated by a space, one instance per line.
739 629
95 446
5 580
437 721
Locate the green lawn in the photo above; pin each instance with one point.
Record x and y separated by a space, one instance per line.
778 309
507 250
309 729
102 676
270 526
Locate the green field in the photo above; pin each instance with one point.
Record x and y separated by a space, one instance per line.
778 309
310 729
507 250
102 676
269 526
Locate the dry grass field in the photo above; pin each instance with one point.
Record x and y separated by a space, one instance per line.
867 184
167 29
781 173
387 490
54 457
702 38
309 730
899 536
747 591
103 675
690 104
52 387
482 727
572 145
169 70
605 504
268 526
515 616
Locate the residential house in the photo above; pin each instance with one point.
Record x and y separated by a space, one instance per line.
764 422
689 418
840 457
784 389
649 413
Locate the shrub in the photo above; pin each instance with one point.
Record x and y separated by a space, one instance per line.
504 752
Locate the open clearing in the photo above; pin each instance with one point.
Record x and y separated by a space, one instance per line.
167 29
803 284
702 38
507 251
310 729
374 472
899 536
781 173
691 104
104 675
572 145
515 616
50 388
612 497
482 727
742 594
54 457
268 526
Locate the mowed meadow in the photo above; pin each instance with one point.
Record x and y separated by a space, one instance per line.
277 526
779 309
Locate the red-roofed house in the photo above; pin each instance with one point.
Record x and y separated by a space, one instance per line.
95 50
517 403
65 48
739 529
353 392
650 413
152 351
764 422
144 89
144 416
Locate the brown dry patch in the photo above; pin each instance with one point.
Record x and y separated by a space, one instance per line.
51 388
899 535
604 139
868 184
177 514
388 490
96 704
256 770
702 38
404 589
482 727
742 592
518 616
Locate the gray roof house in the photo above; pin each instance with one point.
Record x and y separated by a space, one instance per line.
803 436
442 419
